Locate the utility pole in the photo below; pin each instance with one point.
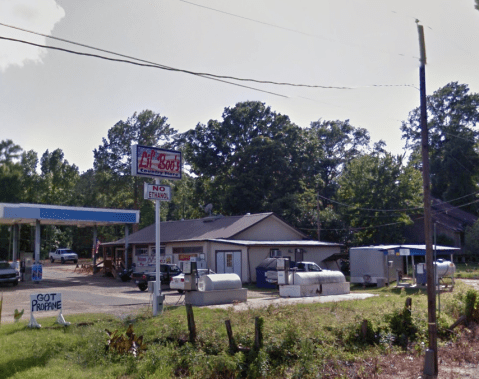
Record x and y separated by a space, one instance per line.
431 354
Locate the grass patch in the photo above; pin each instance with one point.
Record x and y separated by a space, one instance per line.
305 340
467 270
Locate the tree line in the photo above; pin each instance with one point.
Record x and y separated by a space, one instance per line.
327 178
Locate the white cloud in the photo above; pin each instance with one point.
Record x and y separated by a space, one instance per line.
36 15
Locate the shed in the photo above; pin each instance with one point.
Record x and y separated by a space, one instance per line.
379 264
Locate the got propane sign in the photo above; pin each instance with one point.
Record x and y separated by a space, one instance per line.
156 192
154 162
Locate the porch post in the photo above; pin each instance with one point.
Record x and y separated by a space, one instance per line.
15 243
126 246
95 243
37 241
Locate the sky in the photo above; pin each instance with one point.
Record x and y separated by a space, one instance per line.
366 50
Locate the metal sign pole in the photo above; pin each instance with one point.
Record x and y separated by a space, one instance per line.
157 287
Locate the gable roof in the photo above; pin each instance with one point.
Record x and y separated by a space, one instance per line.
215 227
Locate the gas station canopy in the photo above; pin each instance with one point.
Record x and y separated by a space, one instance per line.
11 214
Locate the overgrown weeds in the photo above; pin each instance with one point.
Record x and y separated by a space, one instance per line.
328 340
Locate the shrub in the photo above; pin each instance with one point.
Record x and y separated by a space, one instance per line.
402 326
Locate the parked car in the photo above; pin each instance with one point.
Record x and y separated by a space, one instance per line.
167 271
63 255
8 274
178 282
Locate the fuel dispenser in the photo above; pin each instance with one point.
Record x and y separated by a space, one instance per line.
190 269
282 265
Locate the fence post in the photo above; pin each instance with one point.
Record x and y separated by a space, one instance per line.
191 323
258 333
231 339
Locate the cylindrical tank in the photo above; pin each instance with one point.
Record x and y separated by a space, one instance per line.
216 282
444 268
317 277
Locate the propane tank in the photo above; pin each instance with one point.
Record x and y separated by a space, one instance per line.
444 268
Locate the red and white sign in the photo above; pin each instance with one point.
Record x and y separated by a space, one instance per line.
154 162
156 192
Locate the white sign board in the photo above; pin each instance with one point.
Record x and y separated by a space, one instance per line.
404 252
156 192
46 302
154 162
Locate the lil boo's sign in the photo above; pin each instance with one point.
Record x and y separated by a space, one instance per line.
154 162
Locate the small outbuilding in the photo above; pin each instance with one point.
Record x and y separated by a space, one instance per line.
382 264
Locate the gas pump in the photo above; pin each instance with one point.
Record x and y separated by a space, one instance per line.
282 266
191 273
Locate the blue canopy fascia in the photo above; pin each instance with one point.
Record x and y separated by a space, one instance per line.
11 214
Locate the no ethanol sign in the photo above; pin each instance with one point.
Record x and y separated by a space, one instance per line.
156 192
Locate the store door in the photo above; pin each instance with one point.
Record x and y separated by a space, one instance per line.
228 262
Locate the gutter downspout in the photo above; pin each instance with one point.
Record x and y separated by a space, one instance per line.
249 265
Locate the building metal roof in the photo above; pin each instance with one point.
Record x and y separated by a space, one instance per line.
11 214
413 249
295 243
209 228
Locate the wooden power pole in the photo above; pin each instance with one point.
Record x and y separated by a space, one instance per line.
431 363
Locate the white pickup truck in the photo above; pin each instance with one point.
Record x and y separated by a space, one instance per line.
272 276
63 255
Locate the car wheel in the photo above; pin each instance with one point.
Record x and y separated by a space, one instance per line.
52 260
181 291
15 283
143 286
75 261
63 260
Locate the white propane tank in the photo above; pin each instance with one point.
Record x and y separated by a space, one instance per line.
217 282
444 268
317 277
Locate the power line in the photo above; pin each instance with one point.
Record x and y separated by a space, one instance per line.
203 74
206 76
291 30
398 210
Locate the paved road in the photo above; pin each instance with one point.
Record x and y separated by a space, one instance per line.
86 293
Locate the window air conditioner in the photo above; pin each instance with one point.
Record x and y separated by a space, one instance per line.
275 253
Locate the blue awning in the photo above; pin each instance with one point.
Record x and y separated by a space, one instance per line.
11 214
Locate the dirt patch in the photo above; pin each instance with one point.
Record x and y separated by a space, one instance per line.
457 359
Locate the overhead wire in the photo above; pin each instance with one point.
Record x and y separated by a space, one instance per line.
138 64
202 74
352 228
292 30
392 210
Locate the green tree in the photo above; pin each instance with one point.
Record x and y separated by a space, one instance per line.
378 190
453 114
472 239
9 151
112 160
58 178
335 143
31 189
10 172
249 162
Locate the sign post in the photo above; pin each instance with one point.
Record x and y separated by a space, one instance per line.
157 163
